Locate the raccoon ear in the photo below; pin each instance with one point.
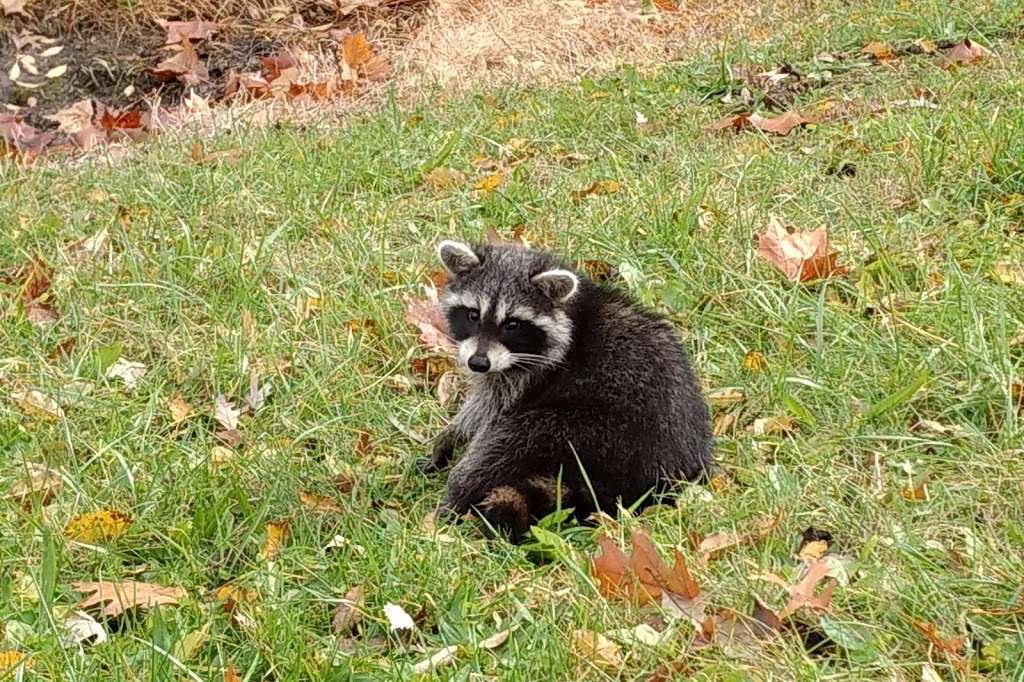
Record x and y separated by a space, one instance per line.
558 285
457 257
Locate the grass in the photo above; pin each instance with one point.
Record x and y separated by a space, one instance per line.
211 266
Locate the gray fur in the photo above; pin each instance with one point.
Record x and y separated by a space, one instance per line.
611 385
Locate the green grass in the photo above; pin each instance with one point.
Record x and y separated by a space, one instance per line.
342 213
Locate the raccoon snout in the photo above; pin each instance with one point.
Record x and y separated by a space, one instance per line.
479 363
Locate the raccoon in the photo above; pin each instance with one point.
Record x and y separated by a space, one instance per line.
577 396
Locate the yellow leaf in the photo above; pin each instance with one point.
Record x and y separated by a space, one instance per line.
37 404
598 188
220 455
106 524
320 503
489 183
755 362
277 533
9 660
180 409
1009 272
597 649
813 550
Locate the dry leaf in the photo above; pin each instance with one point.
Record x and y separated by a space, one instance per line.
180 410
878 50
178 31
426 315
779 425
964 53
225 413
10 660
596 189
183 65
755 362
13 7
231 675
37 404
801 256
448 388
597 649
220 455
723 423
116 598
498 639
1009 272
917 490
128 371
349 612
779 125
74 119
321 504
813 550
356 50
952 646
726 397
599 270
489 183
82 628
939 429
441 179
398 619
97 526
277 533
802 594
40 480
740 636
714 544
436 660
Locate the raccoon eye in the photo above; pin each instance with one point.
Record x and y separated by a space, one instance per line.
474 315
511 324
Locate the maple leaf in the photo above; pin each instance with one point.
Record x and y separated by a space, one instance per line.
97 526
116 598
802 594
178 31
183 65
119 123
76 121
425 314
780 125
801 256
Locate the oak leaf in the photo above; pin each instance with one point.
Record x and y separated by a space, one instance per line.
804 594
183 65
178 31
116 598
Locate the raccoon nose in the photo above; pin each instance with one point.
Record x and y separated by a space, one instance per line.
479 363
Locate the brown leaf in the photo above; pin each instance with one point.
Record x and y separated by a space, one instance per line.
349 612
965 53
183 65
802 594
667 5
116 598
952 646
779 125
39 480
441 178
739 636
251 84
179 31
225 413
597 649
21 139
356 50
277 533
118 123
599 270
801 256
596 189
321 504
879 51
230 675
432 367
716 543
726 397
425 314
916 491
755 362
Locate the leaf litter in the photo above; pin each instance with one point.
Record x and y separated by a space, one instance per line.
114 598
800 256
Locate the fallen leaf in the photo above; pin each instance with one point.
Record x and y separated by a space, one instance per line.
755 362
740 636
802 594
180 410
498 639
225 413
230 675
965 53
929 674
952 646
10 660
257 395
489 183
778 425
599 270
220 455
74 119
183 65
916 491
596 189
441 179
186 648
426 315
723 423
779 125
449 386
436 660
39 480
277 533
128 121
356 50
321 504
716 543
21 139
879 51
597 649
667 5
97 526
178 31
37 404
939 429
801 256
813 544
1009 272
57 71
251 84
13 7
128 371
398 619
83 629
726 397
116 598
349 611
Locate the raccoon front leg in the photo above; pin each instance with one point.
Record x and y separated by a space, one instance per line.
444 450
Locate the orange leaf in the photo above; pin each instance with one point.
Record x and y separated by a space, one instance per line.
277 533
230 675
801 256
954 646
356 50
879 50
116 598
802 594
184 65
644 578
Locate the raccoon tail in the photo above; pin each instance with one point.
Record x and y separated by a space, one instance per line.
512 509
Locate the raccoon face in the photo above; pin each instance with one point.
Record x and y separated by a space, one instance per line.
507 306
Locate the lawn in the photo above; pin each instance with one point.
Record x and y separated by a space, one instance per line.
286 262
